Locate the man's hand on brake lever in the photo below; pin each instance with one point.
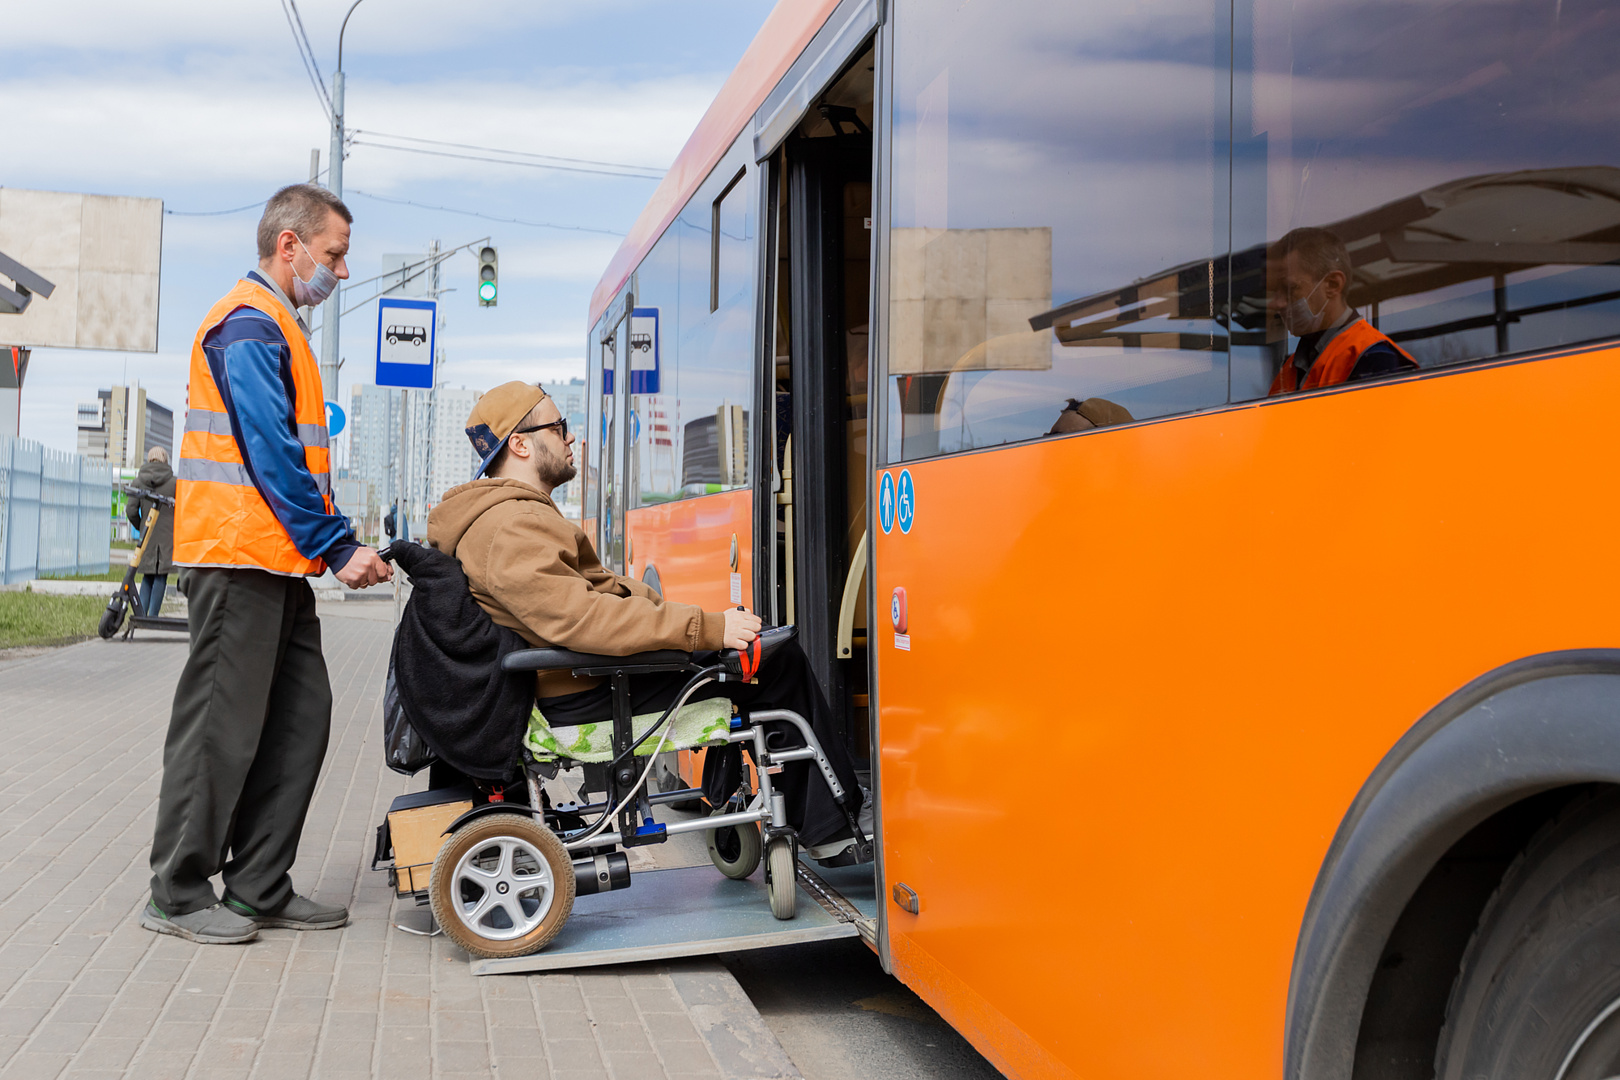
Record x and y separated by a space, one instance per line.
365 568
742 626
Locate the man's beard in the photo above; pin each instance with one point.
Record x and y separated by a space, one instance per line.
554 470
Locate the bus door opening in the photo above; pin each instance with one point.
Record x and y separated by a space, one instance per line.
821 202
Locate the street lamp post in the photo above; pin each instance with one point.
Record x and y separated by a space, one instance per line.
333 309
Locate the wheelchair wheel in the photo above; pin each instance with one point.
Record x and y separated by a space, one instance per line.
503 886
779 878
734 849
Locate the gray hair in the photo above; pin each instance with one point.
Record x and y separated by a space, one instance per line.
1320 253
303 208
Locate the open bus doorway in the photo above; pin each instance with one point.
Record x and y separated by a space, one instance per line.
813 525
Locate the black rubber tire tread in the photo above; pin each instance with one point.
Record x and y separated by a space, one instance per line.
113 618
781 879
749 845
478 833
1545 957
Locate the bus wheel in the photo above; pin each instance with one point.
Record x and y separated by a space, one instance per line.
502 886
734 849
1539 989
779 878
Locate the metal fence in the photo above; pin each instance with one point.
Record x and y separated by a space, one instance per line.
55 512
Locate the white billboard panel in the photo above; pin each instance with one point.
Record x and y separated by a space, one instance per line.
101 251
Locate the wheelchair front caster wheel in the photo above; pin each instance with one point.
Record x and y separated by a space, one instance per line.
503 886
779 878
734 849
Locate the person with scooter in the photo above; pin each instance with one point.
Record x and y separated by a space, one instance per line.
157 550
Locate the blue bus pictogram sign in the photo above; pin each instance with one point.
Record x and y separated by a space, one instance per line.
886 502
906 508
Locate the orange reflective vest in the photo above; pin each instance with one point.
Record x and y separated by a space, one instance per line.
220 519
1337 361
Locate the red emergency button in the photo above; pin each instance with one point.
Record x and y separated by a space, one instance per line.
897 610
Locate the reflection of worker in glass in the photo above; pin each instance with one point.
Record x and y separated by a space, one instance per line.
1308 274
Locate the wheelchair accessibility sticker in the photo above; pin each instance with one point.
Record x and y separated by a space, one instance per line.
906 509
886 502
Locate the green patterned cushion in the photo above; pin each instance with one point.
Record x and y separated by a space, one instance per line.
701 723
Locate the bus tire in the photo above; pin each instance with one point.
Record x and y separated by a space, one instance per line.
734 849
779 878
1538 992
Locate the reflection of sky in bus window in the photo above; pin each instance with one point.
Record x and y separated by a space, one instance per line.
1352 106
1104 135
704 355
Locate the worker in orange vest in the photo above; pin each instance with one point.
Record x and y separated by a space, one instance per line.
1308 274
254 519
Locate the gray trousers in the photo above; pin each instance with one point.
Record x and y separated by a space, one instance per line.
252 714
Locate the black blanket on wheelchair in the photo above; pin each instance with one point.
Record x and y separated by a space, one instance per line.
446 666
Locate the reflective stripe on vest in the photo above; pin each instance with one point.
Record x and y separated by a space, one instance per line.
1337 361
220 518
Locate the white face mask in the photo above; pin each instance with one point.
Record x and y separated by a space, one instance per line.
318 287
1298 318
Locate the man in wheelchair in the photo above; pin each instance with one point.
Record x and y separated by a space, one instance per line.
536 573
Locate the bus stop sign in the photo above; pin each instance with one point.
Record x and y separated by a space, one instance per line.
406 331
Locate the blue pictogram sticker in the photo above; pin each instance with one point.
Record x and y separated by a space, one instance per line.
886 502
906 508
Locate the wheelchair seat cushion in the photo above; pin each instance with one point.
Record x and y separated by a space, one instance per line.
702 723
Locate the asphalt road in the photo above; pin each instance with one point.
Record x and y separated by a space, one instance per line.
840 1017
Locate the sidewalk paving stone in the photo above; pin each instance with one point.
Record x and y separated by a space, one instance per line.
85 993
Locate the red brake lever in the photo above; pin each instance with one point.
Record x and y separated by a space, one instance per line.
748 659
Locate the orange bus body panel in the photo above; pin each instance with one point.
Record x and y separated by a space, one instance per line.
786 31
689 541
1184 646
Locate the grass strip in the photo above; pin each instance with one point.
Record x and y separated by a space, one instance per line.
38 619
115 574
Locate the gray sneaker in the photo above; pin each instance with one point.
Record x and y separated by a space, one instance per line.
216 925
299 913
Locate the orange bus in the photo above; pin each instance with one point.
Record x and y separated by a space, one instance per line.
1214 732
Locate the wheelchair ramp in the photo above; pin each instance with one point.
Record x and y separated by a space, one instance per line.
694 911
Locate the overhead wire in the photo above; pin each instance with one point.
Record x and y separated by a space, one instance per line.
306 53
486 217
503 161
214 213
235 209
514 153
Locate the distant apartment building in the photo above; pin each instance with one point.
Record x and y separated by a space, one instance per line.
374 440
122 424
453 460
436 454
570 398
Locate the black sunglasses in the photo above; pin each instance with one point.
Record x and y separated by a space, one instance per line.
560 425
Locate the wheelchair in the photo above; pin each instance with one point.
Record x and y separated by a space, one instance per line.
506 876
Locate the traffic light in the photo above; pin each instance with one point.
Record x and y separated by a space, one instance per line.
488 287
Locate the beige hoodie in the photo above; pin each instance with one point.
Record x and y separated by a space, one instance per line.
535 572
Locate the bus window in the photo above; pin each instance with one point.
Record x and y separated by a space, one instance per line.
690 394
1058 218
1467 155
716 346
729 245
655 339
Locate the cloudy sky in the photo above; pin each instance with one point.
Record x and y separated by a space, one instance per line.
206 105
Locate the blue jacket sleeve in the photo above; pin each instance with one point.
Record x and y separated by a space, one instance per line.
254 386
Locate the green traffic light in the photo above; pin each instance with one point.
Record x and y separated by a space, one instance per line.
486 291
